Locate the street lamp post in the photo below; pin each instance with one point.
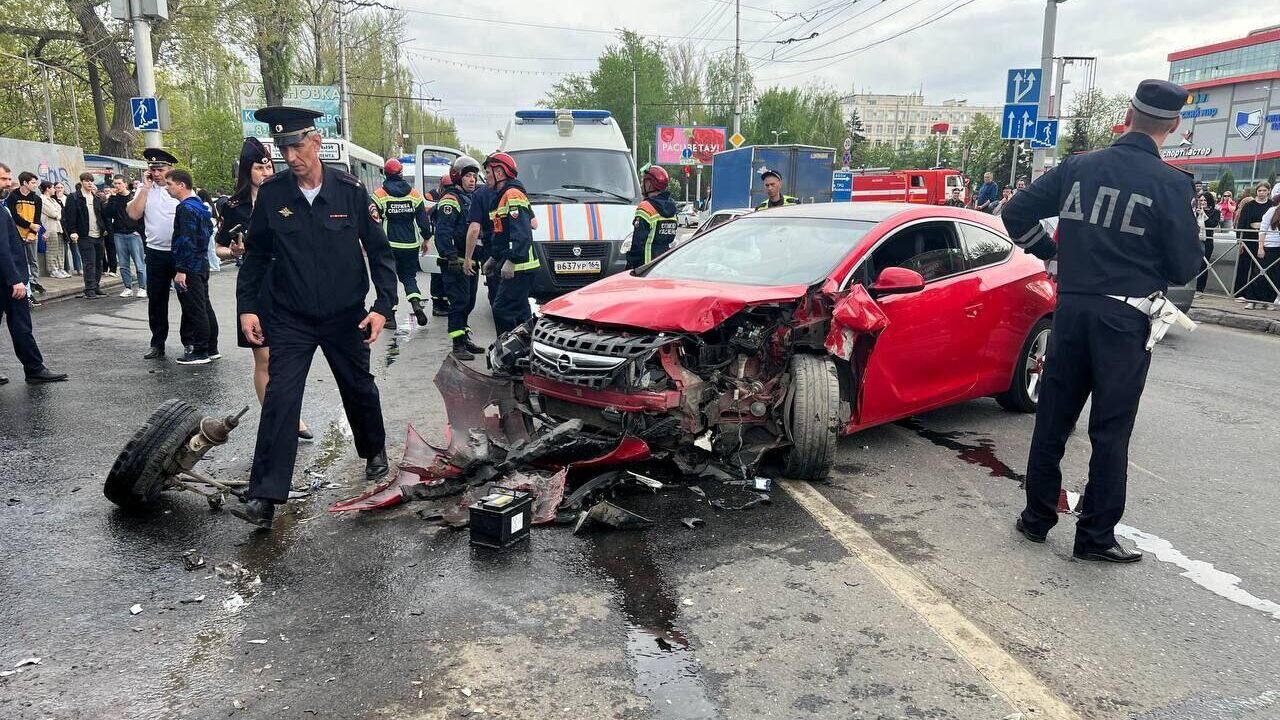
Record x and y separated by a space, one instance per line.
777 134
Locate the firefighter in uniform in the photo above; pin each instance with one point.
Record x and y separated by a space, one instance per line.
655 221
309 227
480 238
513 252
402 207
1125 233
451 237
439 303
773 191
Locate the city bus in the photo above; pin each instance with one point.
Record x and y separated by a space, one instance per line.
343 154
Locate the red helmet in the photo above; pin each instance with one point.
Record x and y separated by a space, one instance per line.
657 177
393 167
502 160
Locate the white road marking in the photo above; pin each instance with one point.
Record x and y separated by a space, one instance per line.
1017 685
1199 572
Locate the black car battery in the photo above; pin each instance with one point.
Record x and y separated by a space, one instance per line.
501 518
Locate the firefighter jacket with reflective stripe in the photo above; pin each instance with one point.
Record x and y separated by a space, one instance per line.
512 227
451 223
655 229
402 207
786 200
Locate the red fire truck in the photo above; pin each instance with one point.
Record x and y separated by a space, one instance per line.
925 187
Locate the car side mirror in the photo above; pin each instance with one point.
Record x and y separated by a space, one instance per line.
897 281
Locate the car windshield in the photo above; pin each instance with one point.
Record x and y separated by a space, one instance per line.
764 250
573 175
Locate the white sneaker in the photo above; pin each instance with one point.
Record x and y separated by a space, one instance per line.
142 293
1239 300
128 292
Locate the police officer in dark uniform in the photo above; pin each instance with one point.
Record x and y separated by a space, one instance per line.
773 191
1125 232
309 227
655 221
451 236
512 253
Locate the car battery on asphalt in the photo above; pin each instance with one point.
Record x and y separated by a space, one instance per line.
501 518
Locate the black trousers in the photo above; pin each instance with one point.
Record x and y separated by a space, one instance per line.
109 247
1245 269
460 289
511 306
294 341
438 297
93 255
160 272
1203 280
407 269
1271 263
198 320
18 315
1098 348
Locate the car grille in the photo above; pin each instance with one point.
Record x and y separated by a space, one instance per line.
590 357
552 251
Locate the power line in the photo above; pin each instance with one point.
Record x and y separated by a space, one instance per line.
419 51
794 59
469 66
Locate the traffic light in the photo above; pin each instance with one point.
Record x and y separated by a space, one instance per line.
686 171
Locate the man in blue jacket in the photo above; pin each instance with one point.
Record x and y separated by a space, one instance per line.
988 194
192 232
14 306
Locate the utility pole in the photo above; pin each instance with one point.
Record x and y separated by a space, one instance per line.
48 104
635 106
75 112
737 67
342 70
1046 68
146 70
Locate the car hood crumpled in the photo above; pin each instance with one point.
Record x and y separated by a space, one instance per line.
664 305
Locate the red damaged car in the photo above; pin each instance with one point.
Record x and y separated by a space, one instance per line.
780 331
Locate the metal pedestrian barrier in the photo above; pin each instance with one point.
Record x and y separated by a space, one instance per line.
1257 273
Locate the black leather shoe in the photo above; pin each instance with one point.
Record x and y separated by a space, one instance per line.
1113 554
471 345
98 292
4 380
439 308
419 313
460 349
305 434
376 466
1033 537
156 351
45 375
256 511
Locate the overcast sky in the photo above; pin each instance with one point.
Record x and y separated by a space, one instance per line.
960 55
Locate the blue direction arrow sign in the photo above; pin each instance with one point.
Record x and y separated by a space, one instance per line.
1018 121
1023 85
146 115
1046 134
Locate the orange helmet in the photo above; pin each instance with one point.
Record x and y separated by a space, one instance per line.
657 177
502 160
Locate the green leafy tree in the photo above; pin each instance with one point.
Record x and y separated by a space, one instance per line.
987 152
1098 112
1077 138
1226 183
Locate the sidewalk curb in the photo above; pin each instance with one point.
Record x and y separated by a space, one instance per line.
60 295
1235 320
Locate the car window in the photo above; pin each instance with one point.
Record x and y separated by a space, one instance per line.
761 250
983 247
931 249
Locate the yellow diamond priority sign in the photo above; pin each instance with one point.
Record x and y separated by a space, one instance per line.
737 140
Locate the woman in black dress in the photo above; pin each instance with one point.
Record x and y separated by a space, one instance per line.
255 167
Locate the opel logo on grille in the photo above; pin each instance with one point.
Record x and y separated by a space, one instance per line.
577 251
564 363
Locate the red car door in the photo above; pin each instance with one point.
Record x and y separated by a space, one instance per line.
928 354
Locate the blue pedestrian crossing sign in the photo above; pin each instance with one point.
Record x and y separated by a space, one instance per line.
1046 134
146 113
1023 85
1018 121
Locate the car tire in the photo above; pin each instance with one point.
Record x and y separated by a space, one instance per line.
1023 394
814 418
139 472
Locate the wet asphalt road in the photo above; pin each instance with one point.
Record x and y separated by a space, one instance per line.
759 614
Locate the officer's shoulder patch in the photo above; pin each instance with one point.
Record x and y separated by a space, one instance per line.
374 214
446 208
231 202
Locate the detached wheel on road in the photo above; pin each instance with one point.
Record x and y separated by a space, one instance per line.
814 417
1024 389
147 461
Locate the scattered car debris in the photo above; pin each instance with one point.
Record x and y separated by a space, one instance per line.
693 523
466 691
135 610
606 513
761 499
28 661
196 599
260 641
191 561
646 481
229 570
7 673
234 604
698 491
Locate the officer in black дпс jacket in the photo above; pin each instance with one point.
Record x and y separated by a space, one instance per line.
1125 232
310 240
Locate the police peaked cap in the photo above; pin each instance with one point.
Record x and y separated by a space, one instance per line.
1160 99
159 157
764 175
288 125
253 152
